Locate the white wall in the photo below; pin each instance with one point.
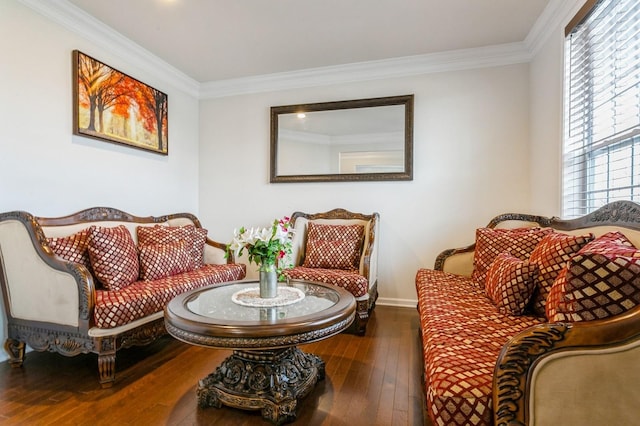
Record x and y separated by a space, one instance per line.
471 163
546 88
46 170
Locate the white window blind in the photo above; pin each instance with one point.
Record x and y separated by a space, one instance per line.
602 108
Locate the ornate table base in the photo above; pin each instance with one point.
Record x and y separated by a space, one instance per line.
271 381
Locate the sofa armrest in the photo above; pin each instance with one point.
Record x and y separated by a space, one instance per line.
37 285
216 253
457 261
570 374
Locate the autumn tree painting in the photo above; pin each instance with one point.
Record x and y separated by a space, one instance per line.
111 105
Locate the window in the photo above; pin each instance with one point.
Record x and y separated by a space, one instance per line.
601 160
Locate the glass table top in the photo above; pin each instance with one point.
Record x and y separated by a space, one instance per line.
216 303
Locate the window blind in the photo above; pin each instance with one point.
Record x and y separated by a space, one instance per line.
601 155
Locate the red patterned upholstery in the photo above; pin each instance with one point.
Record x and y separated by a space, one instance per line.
72 248
462 334
114 257
510 283
142 298
598 286
607 244
351 281
163 260
551 256
158 234
333 246
491 242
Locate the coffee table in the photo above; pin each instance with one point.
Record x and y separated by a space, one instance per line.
267 371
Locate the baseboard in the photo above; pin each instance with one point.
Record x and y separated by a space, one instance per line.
401 303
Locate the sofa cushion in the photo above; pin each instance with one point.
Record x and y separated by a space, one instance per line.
195 239
114 257
197 251
610 243
462 335
72 248
490 242
510 283
163 260
333 246
551 256
607 244
598 286
142 298
351 280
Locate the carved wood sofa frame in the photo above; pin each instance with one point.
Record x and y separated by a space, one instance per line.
368 261
536 368
81 336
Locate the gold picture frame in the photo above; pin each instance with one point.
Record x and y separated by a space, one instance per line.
112 106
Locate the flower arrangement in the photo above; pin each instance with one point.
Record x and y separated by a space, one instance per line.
265 246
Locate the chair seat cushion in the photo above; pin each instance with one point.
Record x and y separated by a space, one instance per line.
142 298
350 280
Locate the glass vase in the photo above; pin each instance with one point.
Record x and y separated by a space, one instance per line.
268 281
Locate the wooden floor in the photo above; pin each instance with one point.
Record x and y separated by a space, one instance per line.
370 380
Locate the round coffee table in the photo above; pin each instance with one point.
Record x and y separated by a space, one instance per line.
267 371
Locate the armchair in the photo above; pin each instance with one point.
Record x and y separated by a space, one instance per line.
341 248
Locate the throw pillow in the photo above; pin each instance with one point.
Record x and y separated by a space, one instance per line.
113 255
551 256
194 238
490 242
72 248
614 242
510 283
599 286
164 260
333 246
611 243
197 250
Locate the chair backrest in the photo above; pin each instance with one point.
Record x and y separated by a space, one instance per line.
369 254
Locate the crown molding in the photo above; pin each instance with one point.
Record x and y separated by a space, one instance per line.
553 17
455 60
78 21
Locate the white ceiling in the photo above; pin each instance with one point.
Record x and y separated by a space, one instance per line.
211 40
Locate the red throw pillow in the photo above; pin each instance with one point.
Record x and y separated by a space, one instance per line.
510 283
113 255
333 246
551 257
164 260
72 248
194 238
490 242
614 242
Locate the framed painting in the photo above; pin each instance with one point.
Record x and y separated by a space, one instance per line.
112 106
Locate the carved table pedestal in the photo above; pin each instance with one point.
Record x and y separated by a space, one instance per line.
267 371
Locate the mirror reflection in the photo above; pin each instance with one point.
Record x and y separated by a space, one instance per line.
367 139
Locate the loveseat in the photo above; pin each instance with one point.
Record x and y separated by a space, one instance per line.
536 323
97 281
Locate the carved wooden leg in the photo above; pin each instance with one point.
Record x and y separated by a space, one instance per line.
15 349
362 317
107 361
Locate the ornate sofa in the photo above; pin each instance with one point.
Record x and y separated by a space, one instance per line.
543 335
343 252
86 283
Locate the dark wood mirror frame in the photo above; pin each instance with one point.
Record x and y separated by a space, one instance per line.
405 174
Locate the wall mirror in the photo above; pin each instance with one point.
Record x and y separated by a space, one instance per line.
357 140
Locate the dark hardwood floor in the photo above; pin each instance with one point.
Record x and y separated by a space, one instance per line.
370 380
